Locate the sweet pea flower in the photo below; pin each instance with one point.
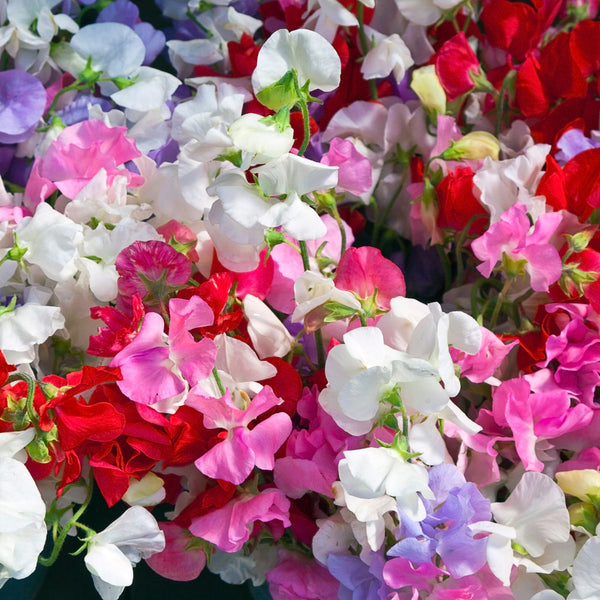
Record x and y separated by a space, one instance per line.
389 55
113 552
28 324
230 526
424 13
585 578
52 242
234 457
287 51
512 239
168 366
268 334
115 50
328 16
22 102
355 172
274 202
535 517
79 153
22 525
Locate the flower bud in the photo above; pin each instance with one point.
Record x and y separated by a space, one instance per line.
426 84
583 483
476 145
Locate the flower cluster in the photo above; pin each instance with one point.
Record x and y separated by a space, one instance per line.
315 282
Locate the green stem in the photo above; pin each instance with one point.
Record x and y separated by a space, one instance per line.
318 335
48 562
499 302
218 381
338 220
306 123
30 381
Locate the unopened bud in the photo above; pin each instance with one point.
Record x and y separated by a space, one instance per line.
476 145
426 84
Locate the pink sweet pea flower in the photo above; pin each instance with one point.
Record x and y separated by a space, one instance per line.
234 458
362 270
158 371
177 561
229 527
535 417
355 173
77 155
298 578
510 236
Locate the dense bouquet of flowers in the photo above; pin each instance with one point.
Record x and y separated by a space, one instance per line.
309 288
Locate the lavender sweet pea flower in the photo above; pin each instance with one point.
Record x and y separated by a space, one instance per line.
22 103
445 531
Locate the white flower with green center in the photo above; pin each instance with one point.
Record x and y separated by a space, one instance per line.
288 52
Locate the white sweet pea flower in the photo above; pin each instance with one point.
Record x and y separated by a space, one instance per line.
312 290
371 473
22 526
363 369
586 571
275 201
31 51
151 90
534 518
389 54
262 141
30 323
328 16
12 443
114 49
425 331
268 334
51 240
113 552
285 51
424 12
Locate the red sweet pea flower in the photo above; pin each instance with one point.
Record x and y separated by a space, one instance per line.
517 27
454 63
5 369
215 292
457 204
243 56
121 328
141 445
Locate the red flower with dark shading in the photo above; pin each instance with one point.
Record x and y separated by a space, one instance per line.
457 204
454 63
121 328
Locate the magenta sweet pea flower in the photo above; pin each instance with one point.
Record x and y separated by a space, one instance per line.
234 458
22 103
151 269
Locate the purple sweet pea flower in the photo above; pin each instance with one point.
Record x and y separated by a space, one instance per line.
445 530
22 104
358 581
571 143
